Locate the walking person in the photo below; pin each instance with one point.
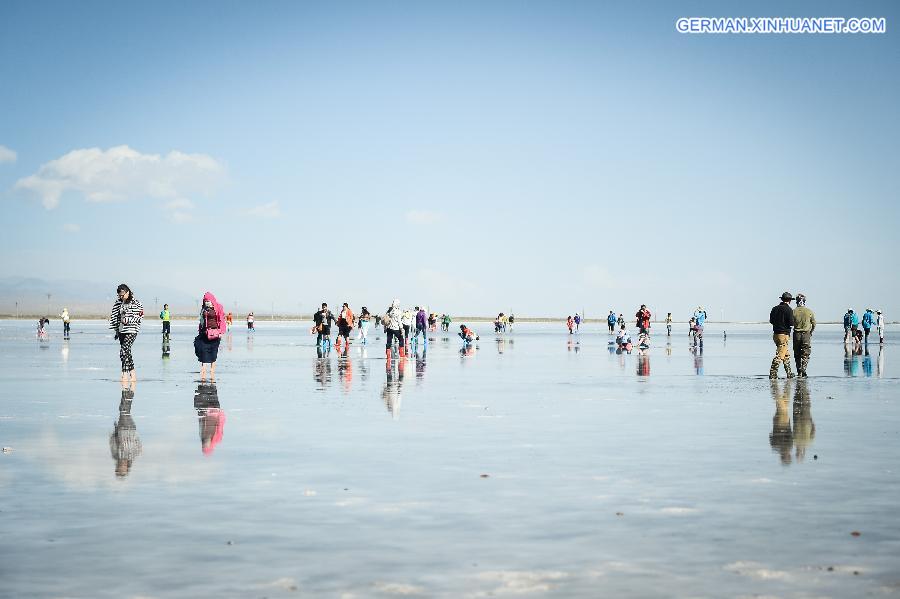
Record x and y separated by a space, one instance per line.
125 319
250 322
406 319
699 319
166 317
421 321
848 317
620 321
365 318
804 325
669 324
879 328
323 319
868 321
577 322
570 322
209 334
394 329
345 323
782 319
611 322
65 319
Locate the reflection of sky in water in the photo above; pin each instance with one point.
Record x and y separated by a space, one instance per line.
348 474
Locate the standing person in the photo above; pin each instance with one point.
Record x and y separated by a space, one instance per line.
570 322
879 327
421 321
364 319
699 319
611 322
209 334
620 321
345 323
166 317
229 319
669 324
692 330
125 319
249 322
643 319
804 325
512 321
65 319
406 319
323 319
432 322
868 321
445 323
393 326
848 317
577 321
782 319
854 325
42 330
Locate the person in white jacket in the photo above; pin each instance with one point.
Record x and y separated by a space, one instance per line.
394 328
879 326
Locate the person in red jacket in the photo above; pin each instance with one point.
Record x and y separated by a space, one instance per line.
643 319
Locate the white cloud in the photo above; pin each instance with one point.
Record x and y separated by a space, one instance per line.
71 228
270 210
7 155
121 173
423 217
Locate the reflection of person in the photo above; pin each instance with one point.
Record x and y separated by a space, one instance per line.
210 415
781 438
125 319
209 334
643 363
124 443
392 385
698 360
804 427
782 319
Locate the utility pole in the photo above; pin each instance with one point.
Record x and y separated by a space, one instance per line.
273 310
155 303
48 305
17 310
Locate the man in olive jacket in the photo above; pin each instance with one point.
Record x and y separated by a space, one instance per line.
782 319
804 325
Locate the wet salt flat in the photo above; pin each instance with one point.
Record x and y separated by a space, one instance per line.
538 464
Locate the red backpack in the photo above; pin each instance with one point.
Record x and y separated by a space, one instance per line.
211 324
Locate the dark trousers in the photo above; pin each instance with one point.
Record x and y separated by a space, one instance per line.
391 333
167 327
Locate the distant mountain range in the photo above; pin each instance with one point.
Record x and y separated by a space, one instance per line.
81 297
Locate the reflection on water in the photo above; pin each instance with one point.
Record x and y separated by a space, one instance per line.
785 436
345 369
210 416
420 365
643 362
166 345
322 367
867 362
393 383
124 443
697 352
879 365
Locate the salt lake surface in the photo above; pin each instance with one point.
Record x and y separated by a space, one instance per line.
538 464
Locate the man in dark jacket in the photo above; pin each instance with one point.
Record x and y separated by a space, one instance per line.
324 319
782 319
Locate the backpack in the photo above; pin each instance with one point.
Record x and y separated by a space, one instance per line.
211 324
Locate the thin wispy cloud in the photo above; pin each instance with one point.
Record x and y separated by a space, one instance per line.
270 210
121 173
71 228
423 217
7 155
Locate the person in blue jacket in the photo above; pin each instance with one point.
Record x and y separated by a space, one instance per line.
611 321
868 321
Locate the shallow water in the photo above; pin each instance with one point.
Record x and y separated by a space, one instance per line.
538 463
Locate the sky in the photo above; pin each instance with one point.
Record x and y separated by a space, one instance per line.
535 157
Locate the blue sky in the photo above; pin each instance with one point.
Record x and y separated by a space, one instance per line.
475 157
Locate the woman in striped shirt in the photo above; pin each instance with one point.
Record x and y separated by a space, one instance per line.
125 320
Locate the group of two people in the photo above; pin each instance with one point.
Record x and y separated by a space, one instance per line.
126 317
784 319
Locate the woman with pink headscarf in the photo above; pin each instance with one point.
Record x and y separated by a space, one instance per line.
211 329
